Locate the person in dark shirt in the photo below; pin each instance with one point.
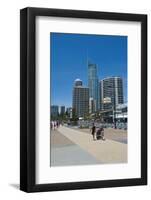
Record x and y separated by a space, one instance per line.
93 130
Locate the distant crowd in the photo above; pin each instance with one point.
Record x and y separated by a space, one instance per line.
55 124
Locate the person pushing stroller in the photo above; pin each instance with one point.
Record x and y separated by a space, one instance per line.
100 134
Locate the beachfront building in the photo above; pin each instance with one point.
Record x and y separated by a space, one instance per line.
111 92
93 85
80 99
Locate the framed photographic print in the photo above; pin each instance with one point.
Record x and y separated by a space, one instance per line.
83 99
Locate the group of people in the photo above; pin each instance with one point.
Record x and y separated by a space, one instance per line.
54 125
97 133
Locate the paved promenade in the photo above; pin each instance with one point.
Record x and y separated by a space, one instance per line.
64 152
78 147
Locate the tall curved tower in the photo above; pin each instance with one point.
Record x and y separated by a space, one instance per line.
93 84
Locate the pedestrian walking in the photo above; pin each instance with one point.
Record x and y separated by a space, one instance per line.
57 123
93 130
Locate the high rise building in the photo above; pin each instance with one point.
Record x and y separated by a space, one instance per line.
111 92
62 110
80 102
54 111
93 84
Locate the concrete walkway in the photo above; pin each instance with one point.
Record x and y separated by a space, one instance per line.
71 155
107 151
64 152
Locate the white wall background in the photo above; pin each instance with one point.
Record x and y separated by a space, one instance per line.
9 98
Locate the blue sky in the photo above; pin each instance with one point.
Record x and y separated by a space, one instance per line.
68 61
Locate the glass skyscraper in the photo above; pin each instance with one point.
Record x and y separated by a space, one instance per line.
93 84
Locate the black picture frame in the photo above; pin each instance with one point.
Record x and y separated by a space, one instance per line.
28 99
